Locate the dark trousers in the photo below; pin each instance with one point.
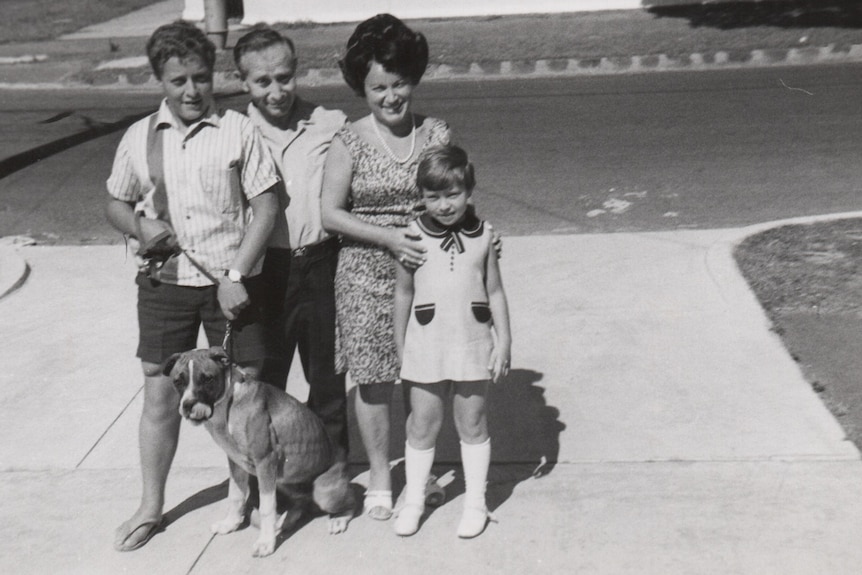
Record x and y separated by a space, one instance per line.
303 317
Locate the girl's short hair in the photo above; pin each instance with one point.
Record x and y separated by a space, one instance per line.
388 41
441 167
258 39
179 39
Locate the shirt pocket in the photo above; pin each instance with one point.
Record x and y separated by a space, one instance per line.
481 311
424 313
222 186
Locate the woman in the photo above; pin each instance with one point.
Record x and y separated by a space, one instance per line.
369 197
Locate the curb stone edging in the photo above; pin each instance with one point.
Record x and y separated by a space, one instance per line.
109 77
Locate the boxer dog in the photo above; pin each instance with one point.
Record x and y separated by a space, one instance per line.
266 433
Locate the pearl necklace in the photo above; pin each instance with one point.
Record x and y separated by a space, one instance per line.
386 146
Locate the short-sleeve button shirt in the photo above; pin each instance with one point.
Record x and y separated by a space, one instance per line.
300 154
211 169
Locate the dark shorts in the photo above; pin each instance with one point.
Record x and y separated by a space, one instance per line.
170 317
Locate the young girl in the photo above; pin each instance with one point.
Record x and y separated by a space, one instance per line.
452 334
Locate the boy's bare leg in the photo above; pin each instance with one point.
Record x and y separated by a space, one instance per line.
158 436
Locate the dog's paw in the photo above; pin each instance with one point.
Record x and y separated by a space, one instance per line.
200 412
338 523
263 547
227 525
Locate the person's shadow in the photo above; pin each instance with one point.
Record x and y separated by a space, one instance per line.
525 439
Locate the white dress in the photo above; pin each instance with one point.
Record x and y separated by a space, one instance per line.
449 333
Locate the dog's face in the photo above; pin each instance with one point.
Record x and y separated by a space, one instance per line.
199 378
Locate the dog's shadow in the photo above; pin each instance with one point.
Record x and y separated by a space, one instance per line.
218 492
201 499
525 440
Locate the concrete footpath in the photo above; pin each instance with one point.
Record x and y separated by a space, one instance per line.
652 423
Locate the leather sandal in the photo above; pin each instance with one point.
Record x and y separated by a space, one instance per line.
435 495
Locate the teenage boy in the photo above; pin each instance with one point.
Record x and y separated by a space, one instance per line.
301 257
193 175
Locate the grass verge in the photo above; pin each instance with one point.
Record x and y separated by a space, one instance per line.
808 278
32 20
676 31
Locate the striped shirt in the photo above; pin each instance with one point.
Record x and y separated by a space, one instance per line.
211 169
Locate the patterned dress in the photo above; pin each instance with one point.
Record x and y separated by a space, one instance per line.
383 193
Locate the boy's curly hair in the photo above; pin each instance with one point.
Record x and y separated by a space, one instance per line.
179 39
388 41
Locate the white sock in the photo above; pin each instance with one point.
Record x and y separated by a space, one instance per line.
475 459
417 468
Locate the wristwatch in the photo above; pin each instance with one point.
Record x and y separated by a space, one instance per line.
234 275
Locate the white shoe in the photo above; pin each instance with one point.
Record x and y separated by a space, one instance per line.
473 522
407 522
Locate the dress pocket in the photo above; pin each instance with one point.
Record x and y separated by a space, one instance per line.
481 311
424 313
222 186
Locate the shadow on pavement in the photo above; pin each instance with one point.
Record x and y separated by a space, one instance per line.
89 130
197 501
774 13
525 439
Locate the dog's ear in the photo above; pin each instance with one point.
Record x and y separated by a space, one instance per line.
169 364
220 355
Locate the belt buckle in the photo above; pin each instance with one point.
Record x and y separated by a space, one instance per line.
301 251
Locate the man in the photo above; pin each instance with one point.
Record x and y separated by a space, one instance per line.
301 257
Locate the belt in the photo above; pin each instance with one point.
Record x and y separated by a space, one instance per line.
312 250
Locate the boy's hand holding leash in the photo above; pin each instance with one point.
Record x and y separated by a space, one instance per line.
232 297
156 234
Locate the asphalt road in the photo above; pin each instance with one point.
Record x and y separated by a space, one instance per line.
568 155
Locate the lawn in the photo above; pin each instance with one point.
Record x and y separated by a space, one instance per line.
808 279
29 20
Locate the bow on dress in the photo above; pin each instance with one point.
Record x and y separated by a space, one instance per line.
470 226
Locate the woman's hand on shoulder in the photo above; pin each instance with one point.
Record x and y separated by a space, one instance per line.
405 247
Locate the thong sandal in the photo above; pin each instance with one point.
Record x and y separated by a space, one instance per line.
378 504
151 527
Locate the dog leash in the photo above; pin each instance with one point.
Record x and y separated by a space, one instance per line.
224 344
228 325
